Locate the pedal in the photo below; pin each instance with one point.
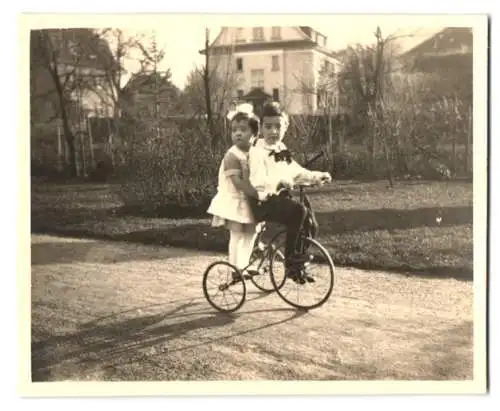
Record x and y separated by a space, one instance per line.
250 274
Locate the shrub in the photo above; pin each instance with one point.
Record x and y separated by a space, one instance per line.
173 175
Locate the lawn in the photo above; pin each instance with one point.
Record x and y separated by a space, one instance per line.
416 227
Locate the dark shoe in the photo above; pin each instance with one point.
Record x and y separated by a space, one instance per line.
250 273
236 277
294 274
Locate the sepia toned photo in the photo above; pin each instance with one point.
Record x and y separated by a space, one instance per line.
217 202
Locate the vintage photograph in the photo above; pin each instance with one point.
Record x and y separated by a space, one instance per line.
234 202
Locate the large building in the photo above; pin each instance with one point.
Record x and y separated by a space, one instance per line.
291 65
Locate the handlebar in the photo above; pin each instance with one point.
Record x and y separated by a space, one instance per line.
314 159
307 164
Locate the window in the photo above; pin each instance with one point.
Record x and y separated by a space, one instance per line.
239 64
56 38
327 66
275 63
257 78
276 33
258 33
73 48
240 35
276 94
322 99
240 94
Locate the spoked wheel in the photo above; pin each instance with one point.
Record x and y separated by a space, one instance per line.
261 270
315 281
260 275
223 286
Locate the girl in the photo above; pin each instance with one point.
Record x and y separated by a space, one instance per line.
230 206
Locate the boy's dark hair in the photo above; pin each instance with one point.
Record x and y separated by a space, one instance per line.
254 125
253 122
271 109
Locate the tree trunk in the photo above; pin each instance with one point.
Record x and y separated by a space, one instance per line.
208 99
372 152
454 152
91 144
468 143
70 138
60 155
115 134
380 120
388 163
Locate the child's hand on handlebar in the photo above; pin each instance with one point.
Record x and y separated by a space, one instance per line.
286 183
322 178
325 177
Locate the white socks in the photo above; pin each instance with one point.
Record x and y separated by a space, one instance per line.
240 248
234 243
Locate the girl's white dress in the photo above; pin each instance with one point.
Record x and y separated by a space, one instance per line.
230 204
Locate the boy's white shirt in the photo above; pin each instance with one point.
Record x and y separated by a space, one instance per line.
266 174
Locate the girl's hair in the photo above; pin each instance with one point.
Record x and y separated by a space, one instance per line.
253 122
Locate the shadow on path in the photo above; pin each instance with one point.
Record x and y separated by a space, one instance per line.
60 252
109 340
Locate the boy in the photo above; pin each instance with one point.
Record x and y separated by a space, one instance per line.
272 169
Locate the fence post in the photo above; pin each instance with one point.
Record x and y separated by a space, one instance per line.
341 134
60 148
468 142
330 129
454 152
91 144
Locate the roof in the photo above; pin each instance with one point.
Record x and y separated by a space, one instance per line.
448 40
307 41
256 94
93 51
308 31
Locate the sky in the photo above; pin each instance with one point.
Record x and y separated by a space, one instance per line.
181 37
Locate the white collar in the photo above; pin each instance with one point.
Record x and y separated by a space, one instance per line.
277 146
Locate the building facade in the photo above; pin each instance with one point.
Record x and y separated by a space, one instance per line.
292 65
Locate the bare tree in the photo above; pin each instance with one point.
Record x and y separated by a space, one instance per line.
62 67
111 87
209 89
315 124
206 84
367 73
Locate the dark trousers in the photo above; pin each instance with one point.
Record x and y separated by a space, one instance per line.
284 210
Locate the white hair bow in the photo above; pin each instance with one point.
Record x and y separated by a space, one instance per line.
245 108
285 121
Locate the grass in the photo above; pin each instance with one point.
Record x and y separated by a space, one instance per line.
420 228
